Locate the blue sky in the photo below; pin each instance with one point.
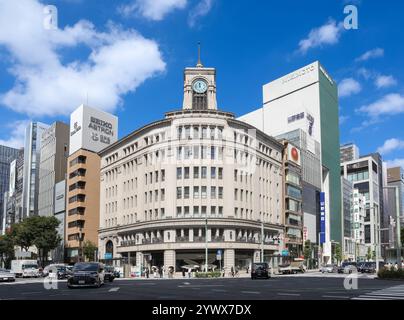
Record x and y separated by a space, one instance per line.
128 58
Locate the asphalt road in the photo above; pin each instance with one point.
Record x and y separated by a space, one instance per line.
307 287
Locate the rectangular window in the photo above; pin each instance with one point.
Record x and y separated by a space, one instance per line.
179 193
196 211
196 192
179 211
196 172
186 172
179 173
196 132
196 152
213 192
212 153
186 211
204 192
186 192
204 153
204 210
220 173
220 192
204 172
204 132
213 173
213 211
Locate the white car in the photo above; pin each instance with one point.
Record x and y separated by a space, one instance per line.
6 276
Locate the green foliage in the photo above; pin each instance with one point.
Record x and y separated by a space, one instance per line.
88 250
390 274
369 255
37 231
338 253
6 250
402 237
208 275
308 249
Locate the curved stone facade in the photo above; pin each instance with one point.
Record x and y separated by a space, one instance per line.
164 185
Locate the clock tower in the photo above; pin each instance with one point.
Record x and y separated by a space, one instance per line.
200 87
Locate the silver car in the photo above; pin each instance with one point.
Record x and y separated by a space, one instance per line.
329 268
6 275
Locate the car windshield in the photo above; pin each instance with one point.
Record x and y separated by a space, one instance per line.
4 270
29 266
86 267
109 269
346 264
260 266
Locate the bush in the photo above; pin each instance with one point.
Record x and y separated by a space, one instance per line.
208 275
390 274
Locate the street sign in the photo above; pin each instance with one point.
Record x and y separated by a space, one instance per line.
285 253
219 255
108 256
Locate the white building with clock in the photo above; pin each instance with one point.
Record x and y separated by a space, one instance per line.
196 179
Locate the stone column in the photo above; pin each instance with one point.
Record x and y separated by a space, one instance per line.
169 259
139 259
191 235
229 259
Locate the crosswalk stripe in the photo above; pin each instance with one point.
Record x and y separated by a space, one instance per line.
393 293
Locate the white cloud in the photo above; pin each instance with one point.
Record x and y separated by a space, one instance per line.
348 87
154 10
327 34
385 81
119 61
391 145
17 135
390 104
395 163
374 53
343 119
200 10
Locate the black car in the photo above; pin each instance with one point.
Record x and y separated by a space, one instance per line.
360 266
260 271
348 267
61 272
110 273
369 267
86 275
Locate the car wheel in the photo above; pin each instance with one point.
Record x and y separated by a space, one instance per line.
111 280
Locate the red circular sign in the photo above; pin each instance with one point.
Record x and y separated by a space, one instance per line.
295 154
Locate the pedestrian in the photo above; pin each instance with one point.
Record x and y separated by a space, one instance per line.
189 273
183 273
164 272
161 272
147 273
232 271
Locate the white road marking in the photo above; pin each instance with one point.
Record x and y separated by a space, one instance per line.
336 297
393 293
289 294
114 289
250 292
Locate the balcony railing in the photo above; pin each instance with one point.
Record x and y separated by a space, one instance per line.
182 239
217 239
199 239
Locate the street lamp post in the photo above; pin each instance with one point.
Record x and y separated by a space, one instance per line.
206 245
262 241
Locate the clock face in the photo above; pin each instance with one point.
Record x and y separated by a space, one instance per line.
200 86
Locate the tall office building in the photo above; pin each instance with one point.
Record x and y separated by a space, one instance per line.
60 214
32 155
395 178
366 174
91 131
53 165
310 151
7 156
307 99
348 245
349 152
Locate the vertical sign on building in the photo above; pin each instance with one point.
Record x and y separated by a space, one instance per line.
322 217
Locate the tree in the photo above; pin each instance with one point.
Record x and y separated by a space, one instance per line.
88 250
22 235
402 237
46 237
307 252
6 250
369 255
338 253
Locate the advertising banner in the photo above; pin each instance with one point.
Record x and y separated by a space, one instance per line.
322 218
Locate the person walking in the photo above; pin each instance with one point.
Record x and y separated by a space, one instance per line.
232 271
147 273
183 273
189 273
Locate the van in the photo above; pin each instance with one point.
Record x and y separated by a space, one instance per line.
25 268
